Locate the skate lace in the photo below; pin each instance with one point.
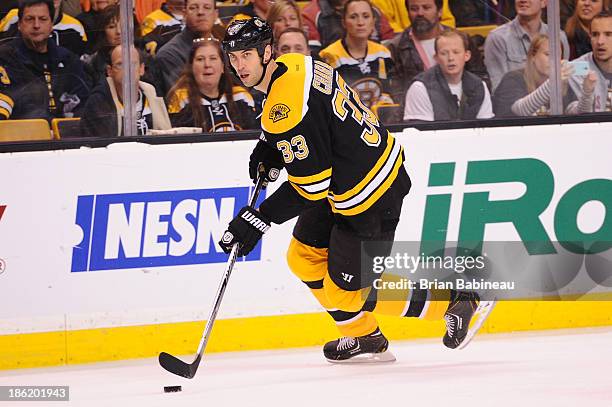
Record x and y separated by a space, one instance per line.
450 325
346 342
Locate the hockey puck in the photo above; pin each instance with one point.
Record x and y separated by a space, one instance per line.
172 389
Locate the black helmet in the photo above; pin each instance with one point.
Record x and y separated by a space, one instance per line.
246 34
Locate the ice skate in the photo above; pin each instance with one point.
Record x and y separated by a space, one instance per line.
464 307
372 348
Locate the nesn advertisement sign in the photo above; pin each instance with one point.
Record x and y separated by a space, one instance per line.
156 229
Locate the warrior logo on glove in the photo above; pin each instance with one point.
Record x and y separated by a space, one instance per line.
246 229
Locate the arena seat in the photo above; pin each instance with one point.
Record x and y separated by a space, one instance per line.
25 130
478 30
66 128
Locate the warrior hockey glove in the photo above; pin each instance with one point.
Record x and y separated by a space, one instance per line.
265 160
246 229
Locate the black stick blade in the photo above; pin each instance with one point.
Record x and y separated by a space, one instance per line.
178 367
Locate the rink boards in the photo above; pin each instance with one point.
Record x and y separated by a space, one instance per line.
110 253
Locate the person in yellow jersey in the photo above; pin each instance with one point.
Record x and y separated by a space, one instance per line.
365 65
346 182
162 25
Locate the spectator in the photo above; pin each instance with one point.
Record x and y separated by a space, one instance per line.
254 8
88 19
600 63
526 91
578 26
447 91
506 46
284 14
396 12
67 30
413 50
162 25
200 17
365 65
291 40
108 21
39 79
323 20
104 112
203 96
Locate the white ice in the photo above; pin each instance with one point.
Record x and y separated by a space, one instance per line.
560 368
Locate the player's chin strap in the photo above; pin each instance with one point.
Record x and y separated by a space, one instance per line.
265 66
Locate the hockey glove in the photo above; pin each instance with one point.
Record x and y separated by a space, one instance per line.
246 229
265 160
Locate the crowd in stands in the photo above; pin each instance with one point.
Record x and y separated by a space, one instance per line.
413 59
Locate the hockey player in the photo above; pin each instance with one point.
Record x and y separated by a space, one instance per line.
346 182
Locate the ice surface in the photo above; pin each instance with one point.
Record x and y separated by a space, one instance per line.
560 368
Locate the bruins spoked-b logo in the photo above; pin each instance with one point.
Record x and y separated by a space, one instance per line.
278 112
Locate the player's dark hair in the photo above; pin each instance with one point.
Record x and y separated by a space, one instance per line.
438 3
23 4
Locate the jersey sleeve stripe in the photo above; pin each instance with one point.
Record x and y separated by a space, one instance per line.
371 200
7 101
311 197
311 179
318 187
5 113
384 158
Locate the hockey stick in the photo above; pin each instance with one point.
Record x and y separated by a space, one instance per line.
188 370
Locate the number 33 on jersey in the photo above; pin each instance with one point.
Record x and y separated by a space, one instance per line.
333 146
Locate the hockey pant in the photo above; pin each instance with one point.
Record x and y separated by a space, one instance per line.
325 254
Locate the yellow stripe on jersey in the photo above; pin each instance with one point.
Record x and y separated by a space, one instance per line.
240 93
5 113
70 23
7 99
6 105
311 197
336 55
157 18
375 189
310 179
9 20
370 175
178 101
313 187
287 102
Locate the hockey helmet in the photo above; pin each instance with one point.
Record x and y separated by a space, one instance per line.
246 34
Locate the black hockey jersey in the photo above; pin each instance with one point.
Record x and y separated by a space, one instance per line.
333 146
216 112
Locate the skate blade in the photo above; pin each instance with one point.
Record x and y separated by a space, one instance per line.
384 357
482 313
